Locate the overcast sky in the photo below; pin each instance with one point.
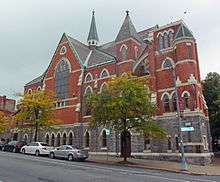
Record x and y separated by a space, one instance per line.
31 29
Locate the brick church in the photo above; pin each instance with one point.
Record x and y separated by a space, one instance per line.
77 69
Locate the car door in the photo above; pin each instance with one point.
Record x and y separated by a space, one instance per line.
60 150
28 148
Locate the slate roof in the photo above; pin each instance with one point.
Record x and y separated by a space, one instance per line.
109 48
36 80
127 30
183 32
93 35
81 49
98 57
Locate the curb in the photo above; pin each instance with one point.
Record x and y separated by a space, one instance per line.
147 167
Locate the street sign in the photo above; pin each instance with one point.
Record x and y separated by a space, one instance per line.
107 131
187 128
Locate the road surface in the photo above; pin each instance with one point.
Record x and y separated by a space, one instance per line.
26 168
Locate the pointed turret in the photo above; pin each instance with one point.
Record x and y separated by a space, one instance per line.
183 32
127 30
93 38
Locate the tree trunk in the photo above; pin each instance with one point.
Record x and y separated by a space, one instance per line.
36 126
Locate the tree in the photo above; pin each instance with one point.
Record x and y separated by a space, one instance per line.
125 105
211 90
3 122
36 112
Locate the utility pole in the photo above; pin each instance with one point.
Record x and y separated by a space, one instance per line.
184 165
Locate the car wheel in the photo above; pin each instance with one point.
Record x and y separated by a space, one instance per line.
23 151
37 153
70 157
52 156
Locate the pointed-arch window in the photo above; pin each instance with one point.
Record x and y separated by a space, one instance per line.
160 42
52 140
170 39
104 139
58 140
186 100
47 139
87 139
104 74
88 91
71 138
167 64
62 80
174 102
123 54
88 77
166 104
64 139
103 87
165 40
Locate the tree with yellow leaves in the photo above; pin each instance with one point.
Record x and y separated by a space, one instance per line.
3 123
36 112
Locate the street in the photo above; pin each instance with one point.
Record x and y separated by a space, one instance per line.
25 168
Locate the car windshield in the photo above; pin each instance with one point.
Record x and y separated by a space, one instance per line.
44 144
12 142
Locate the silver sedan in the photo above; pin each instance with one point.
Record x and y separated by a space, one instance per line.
69 152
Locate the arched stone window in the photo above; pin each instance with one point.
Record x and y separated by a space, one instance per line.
104 139
104 74
58 139
64 139
123 53
160 38
166 103
88 91
170 39
39 88
62 79
47 138
167 64
103 87
87 139
174 102
88 77
52 140
186 100
71 138
165 40
29 91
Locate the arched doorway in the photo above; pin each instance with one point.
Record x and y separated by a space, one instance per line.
53 140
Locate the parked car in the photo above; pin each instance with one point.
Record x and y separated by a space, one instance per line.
36 148
69 152
13 146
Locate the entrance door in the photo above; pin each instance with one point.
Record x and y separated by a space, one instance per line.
125 144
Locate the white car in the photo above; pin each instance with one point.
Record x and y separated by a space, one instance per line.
36 148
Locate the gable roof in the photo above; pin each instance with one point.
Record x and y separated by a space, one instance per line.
37 80
127 30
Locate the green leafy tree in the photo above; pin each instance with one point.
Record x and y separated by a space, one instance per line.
3 123
211 90
36 112
125 105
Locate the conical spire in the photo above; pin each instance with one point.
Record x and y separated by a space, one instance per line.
127 30
93 38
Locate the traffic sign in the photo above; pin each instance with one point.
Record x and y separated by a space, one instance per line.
107 131
187 128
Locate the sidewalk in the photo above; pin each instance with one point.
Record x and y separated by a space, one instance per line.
212 169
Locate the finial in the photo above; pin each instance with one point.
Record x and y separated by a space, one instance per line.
127 12
93 12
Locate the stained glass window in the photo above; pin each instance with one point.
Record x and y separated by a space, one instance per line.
160 42
123 53
62 80
170 39
165 40
166 104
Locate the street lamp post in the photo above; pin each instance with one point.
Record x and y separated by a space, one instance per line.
184 165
